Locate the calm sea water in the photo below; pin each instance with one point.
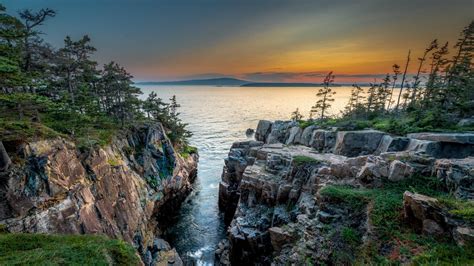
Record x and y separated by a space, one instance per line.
219 116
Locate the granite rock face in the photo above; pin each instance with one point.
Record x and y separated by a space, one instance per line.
119 190
276 215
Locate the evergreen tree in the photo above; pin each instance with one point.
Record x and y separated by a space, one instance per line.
296 115
325 97
396 72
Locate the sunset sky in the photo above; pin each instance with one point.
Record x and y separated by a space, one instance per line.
256 40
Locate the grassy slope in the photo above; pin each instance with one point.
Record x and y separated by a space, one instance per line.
40 249
389 227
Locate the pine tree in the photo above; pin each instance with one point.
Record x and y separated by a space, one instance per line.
396 72
296 115
324 95
433 45
403 81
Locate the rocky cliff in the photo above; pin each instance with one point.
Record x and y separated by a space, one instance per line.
122 190
299 196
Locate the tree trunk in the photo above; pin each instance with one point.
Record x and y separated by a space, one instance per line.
403 80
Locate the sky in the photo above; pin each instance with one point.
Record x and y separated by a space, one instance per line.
258 40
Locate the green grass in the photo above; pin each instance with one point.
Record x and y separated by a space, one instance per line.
40 249
300 160
462 209
187 150
385 216
350 236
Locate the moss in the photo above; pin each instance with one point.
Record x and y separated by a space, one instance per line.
300 160
40 249
114 162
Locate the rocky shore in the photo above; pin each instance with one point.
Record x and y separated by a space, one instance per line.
316 196
124 190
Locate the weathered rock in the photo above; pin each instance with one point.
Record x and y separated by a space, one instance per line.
466 122
355 143
460 138
295 135
119 190
424 214
5 160
392 144
264 128
399 170
279 237
458 175
306 135
443 145
323 140
464 236
280 131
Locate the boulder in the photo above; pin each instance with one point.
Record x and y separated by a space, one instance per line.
392 144
264 128
424 214
306 135
280 131
295 135
399 170
458 175
355 143
323 140
444 145
464 236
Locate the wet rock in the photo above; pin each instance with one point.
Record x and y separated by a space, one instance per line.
355 143
249 132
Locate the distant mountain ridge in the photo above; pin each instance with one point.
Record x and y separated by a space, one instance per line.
211 82
236 82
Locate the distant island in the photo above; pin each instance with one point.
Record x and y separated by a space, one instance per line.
232 82
203 82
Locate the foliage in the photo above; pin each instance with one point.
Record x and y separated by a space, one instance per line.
187 150
301 159
47 92
40 249
324 95
385 216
